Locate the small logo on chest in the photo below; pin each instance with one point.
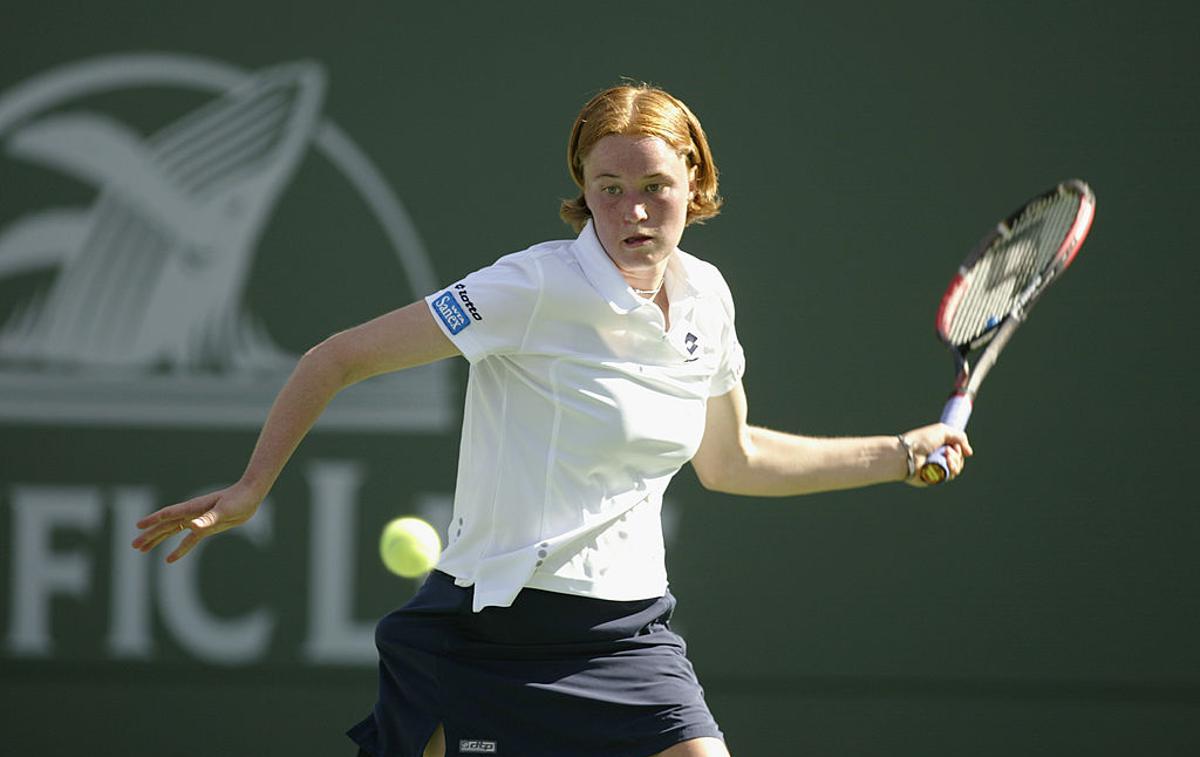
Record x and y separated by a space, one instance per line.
692 343
476 746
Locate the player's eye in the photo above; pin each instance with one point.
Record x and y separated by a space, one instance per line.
654 188
611 189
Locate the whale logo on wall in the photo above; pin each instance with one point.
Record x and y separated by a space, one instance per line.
139 317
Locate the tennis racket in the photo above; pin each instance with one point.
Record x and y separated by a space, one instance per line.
996 286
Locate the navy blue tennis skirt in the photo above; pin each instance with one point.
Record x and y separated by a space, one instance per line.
552 675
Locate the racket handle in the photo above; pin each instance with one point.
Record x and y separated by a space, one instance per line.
955 414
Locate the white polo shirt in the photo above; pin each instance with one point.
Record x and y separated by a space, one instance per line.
580 408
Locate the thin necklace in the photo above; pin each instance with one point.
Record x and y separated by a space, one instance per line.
650 293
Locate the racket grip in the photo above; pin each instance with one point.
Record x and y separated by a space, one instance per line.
957 411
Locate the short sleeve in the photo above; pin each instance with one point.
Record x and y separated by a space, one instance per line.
733 360
489 311
732 367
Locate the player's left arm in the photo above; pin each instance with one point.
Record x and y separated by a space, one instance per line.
738 458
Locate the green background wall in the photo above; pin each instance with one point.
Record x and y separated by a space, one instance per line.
1046 604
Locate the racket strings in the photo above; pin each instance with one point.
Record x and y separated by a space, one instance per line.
1018 254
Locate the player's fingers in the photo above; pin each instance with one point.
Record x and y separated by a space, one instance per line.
165 523
958 439
194 530
187 545
151 538
157 535
183 510
954 460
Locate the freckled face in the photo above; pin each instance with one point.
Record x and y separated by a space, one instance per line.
637 188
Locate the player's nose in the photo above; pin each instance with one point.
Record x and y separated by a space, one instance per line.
636 212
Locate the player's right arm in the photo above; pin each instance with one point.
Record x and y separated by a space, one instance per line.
403 338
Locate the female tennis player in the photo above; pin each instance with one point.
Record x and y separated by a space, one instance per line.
599 365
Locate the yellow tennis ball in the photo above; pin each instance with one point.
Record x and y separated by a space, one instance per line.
409 547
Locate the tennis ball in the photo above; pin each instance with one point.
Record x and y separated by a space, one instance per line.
409 547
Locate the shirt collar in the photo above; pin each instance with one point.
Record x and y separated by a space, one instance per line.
604 276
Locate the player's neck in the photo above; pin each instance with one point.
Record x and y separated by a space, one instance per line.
646 282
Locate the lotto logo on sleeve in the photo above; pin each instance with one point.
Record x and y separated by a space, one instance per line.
466 301
447 308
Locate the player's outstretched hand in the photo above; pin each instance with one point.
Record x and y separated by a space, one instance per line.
200 517
926 439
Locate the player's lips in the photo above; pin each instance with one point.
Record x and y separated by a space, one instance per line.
637 240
